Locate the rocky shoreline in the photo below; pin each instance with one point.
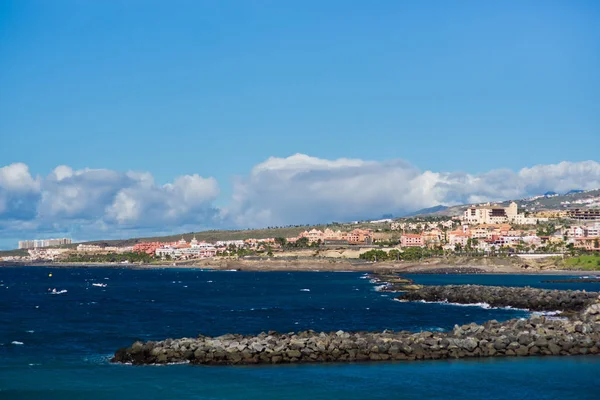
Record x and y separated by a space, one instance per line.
501 296
535 336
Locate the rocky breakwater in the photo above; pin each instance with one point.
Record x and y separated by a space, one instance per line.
536 336
501 296
393 283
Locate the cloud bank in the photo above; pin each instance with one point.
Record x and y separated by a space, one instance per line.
101 203
304 189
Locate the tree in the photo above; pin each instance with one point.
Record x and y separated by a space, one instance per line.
302 242
412 253
281 241
374 255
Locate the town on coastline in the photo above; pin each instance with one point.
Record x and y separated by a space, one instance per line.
480 230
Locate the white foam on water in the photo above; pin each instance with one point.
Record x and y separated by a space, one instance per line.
305 290
31 331
16 343
483 305
209 281
380 288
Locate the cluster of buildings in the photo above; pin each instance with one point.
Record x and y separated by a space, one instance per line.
329 236
424 225
96 249
185 250
487 227
487 237
39 243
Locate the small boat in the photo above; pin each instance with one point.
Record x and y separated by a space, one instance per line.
54 291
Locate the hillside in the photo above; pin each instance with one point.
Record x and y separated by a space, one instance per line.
548 201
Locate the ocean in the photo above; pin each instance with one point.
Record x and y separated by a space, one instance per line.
57 346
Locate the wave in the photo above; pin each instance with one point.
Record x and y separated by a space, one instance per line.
54 291
99 284
380 288
31 331
487 306
16 343
305 290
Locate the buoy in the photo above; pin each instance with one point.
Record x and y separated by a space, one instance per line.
50 275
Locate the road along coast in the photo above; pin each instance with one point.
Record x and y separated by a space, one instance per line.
535 336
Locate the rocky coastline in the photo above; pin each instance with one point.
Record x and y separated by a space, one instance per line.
501 296
535 336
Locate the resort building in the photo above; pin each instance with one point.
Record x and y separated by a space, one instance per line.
411 240
489 214
354 237
459 238
227 243
38 243
584 214
147 247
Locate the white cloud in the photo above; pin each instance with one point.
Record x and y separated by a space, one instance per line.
93 201
187 200
101 203
19 192
302 189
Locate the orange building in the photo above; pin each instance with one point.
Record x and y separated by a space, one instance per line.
412 240
147 247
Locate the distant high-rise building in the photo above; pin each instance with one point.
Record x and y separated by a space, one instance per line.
38 243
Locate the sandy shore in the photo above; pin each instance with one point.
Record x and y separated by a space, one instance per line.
485 266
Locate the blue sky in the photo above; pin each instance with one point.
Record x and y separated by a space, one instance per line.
172 89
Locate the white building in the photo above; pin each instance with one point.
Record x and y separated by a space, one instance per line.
494 214
227 243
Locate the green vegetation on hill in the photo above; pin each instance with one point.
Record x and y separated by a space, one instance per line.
584 262
125 257
13 253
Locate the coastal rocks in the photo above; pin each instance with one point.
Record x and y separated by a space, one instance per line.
393 283
536 336
500 296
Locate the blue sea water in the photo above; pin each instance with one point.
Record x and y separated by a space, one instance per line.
58 346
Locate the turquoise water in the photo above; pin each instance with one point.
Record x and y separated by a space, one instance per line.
68 338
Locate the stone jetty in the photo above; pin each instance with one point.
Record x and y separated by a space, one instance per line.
502 296
393 283
536 336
